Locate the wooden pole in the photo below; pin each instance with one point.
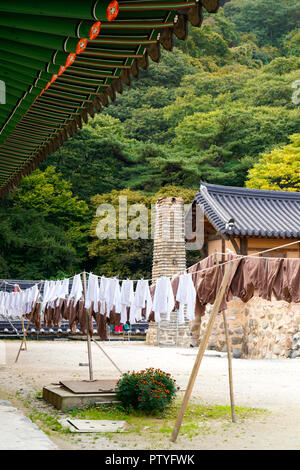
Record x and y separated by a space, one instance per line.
88 330
30 318
228 345
24 336
201 350
229 356
115 365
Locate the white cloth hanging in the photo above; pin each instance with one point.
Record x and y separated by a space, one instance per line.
51 289
126 298
92 292
104 282
2 304
113 296
163 301
63 291
15 304
76 290
186 296
142 299
31 297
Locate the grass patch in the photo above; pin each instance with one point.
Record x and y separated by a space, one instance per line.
205 412
47 422
196 419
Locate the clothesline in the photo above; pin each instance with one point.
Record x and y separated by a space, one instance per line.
35 283
254 255
237 256
106 297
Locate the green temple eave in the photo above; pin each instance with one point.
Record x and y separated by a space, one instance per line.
62 61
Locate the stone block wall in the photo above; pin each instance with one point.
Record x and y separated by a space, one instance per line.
169 334
258 329
169 258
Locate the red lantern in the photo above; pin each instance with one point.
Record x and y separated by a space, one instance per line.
70 59
81 46
62 68
112 10
95 30
54 77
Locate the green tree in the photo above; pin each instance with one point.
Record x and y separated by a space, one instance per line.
269 20
44 228
291 43
114 256
95 159
213 146
278 170
207 42
127 257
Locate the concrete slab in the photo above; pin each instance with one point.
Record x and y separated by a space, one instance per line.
93 425
19 433
64 399
89 386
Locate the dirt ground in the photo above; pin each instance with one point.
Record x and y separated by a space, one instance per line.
273 385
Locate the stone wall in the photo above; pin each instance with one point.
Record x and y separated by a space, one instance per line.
258 329
169 334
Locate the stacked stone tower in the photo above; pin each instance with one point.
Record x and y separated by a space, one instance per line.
169 257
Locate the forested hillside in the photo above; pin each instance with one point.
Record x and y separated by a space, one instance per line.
220 108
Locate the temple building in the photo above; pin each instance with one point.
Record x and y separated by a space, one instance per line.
248 221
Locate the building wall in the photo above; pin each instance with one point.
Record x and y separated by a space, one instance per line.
258 329
258 244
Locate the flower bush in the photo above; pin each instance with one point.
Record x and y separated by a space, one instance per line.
150 390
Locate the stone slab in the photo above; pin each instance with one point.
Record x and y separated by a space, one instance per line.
19 433
64 399
85 425
90 386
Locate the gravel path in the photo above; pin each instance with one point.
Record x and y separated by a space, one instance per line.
270 384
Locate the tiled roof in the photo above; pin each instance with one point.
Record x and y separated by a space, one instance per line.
251 212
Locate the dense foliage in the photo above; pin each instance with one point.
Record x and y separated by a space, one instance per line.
219 109
278 170
150 390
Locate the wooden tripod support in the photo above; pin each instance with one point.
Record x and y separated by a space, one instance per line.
30 318
202 349
91 372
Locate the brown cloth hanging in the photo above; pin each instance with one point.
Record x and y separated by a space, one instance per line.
287 283
101 322
247 275
77 316
202 283
36 318
49 316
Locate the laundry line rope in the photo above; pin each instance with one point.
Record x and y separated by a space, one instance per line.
36 283
237 257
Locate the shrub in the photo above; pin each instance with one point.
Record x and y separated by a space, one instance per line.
150 390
